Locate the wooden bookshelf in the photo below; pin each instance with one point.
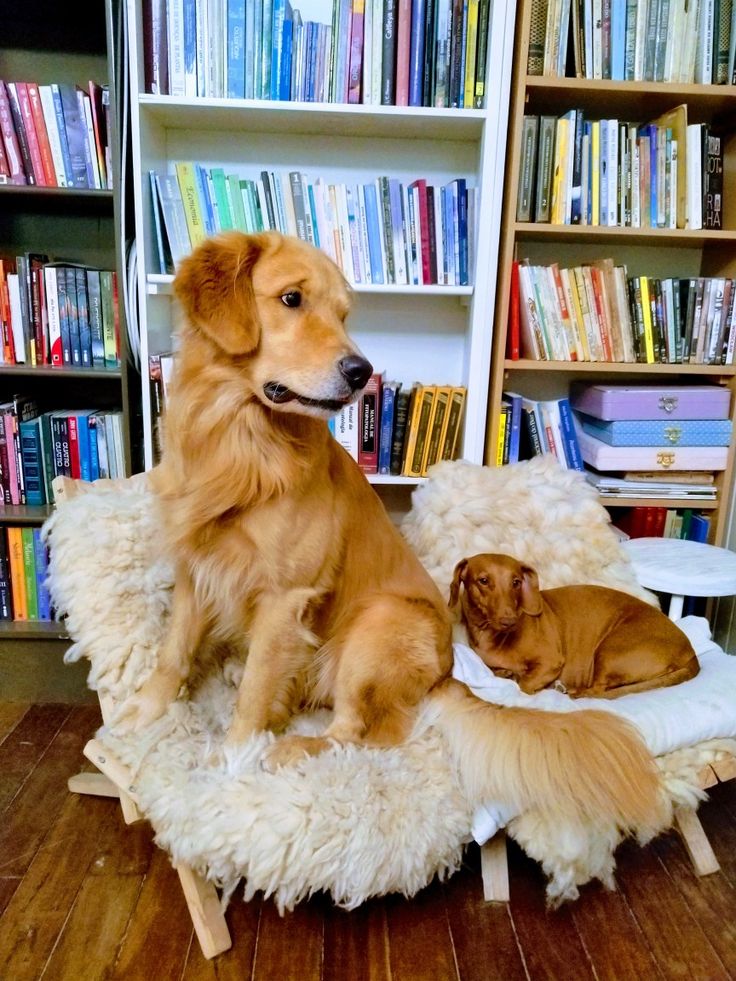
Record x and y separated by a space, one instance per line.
701 252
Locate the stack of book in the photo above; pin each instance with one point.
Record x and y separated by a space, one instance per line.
24 594
661 522
55 135
35 447
653 429
58 314
596 312
666 173
381 232
375 52
648 40
529 428
400 431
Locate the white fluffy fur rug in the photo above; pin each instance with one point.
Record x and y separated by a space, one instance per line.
354 822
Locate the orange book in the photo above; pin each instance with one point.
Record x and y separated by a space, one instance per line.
17 574
600 305
44 146
403 52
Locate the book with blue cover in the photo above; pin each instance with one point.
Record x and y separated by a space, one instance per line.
389 392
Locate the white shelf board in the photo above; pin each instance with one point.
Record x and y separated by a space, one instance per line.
384 478
159 284
329 119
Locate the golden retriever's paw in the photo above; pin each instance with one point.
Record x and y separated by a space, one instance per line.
290 750
140 710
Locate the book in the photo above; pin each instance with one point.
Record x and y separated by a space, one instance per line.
389 395
369 421
17 573
417 441
452 435
6 593
437 426
402 407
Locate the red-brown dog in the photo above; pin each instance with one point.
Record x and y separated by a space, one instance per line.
590 639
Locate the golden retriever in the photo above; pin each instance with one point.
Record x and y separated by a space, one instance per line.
280 543
590 639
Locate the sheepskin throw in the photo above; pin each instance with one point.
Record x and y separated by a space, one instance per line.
355 822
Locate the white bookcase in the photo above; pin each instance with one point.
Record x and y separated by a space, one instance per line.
431 334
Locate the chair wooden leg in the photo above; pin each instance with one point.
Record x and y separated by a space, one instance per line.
695 840
495 869
206 912
131 814
119 775
94 784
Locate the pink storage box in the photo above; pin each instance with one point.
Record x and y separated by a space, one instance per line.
623 402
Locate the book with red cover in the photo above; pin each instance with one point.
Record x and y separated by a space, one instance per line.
10 140
20 132
74 461
421 186
403 53
44 146
368 414
29 126
513 341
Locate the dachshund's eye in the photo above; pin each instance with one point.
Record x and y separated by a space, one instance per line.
516 583
292 299
483 580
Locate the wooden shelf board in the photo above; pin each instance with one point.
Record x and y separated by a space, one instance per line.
607 367
328 119
160 284
662 237
610 501
25 514
33 630
48 372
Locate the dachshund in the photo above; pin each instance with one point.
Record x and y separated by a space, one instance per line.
585 640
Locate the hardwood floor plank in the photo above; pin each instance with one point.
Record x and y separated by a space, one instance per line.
290 948
35 806
718 817
10 715
8 885
235 964
97 923
677 941
420 943
549 938
40 905
482 933
160 929
356 943
23 747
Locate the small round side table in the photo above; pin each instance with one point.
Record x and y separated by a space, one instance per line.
682 568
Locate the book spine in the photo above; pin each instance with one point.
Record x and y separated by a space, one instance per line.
402 402
9 138
39 125
32 461
17 573
6 595
29 573
388 404
20 132
369 410
390 34
40 562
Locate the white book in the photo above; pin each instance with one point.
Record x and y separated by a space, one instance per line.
202 59
597 39
367 67
690 41
674 152
326 241
612 127
347 429
588 37
661 176
377 45
717 292
567 288
551 37
86 106
52 312
16 317
585 172
642 17
674 49
363 232
289 213
410 232
704 51
635 179
261 190
175 24
603 172
553 310
340 205
529 317
52 128
215 62
694 170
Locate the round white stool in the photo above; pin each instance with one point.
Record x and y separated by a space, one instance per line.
682 568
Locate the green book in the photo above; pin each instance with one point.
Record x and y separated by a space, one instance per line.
29 572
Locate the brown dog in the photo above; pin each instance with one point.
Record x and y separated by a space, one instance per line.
281 546
590 639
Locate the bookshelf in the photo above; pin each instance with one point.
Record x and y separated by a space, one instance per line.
648 251
430 334
41 43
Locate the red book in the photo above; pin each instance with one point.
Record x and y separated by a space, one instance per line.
370 428
600 307
116 314
403 53
513 341
28 125
44 146
10 139
421 186
74 447
4 165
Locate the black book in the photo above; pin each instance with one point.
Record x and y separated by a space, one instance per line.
401 416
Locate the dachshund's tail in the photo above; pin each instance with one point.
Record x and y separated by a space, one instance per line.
587 767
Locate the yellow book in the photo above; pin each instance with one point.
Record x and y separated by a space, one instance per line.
187 179
17 574
558 178
425 406
470 51
571 286
451 441
503 421
437 426
646 312
412 423
595 171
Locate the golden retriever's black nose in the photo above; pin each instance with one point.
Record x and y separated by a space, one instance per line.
356 371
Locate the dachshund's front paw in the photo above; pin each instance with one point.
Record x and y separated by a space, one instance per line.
290 750
141 709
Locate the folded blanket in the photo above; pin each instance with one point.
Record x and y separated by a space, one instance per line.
667 718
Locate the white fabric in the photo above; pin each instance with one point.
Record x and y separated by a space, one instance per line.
668 718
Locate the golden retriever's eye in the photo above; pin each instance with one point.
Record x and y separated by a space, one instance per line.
483 580
292 299
516 583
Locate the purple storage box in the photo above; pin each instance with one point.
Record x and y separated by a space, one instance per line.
613 403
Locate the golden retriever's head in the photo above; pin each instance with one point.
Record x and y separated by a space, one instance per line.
498 590
275 307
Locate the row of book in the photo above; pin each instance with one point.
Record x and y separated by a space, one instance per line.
58 314
531 427
37 446
374 52
660 522
384 231
596 312
55 135
401 431
24 594
667 173
634 40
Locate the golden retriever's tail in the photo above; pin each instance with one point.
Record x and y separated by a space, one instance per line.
588 767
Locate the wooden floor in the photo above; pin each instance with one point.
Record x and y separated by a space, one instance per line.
82 896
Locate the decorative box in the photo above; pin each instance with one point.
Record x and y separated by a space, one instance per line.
618 402
653 432
602 456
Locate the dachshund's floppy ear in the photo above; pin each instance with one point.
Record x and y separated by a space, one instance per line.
215 289
531 599
457 577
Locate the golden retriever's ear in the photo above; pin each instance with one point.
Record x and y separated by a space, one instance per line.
457 578
215 288
531 599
